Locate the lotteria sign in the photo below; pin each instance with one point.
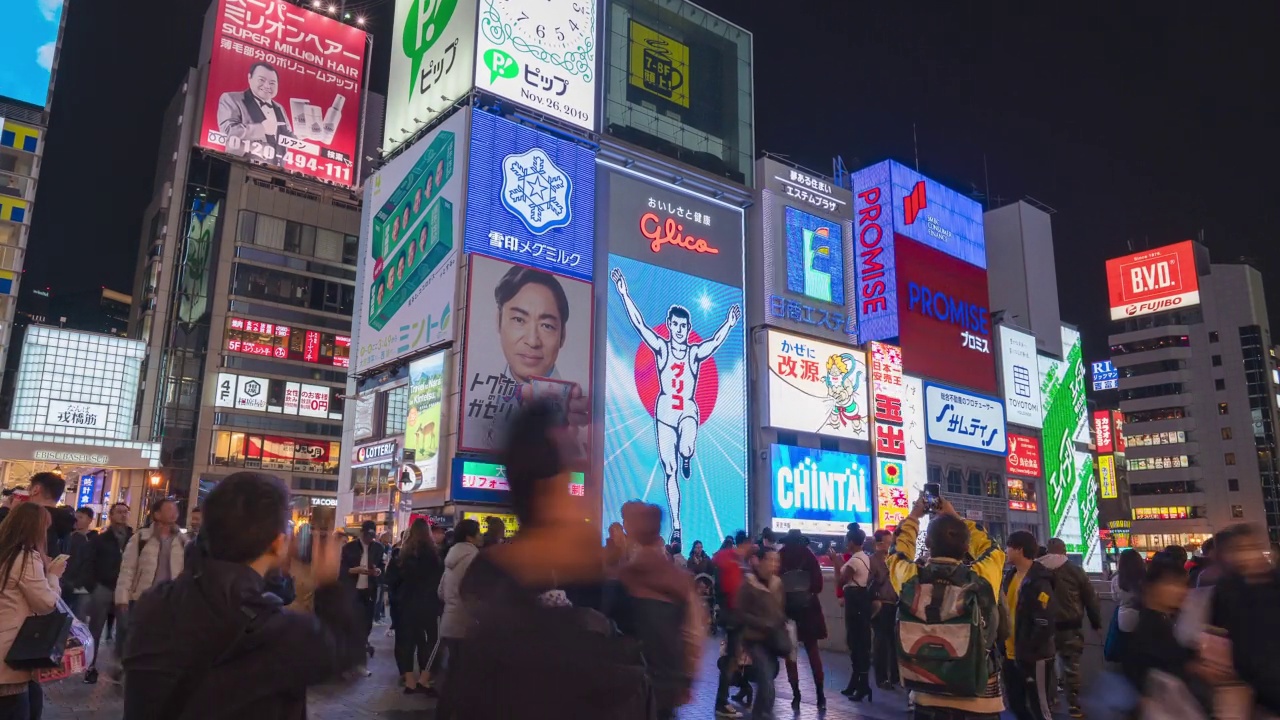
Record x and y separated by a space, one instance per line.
819 491
1153 281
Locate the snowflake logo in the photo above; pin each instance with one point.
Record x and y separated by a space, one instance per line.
536 191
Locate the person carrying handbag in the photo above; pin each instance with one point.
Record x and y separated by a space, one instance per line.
29 586
764 626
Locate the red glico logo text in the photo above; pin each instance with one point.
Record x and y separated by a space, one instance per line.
661 233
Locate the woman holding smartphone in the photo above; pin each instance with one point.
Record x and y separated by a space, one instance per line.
28 586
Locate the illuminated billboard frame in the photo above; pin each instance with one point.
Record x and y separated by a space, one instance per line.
819 491
817 387
1153 281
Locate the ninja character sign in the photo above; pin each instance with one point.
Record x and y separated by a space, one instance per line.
817 387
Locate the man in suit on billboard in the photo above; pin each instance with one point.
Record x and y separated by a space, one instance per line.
252 120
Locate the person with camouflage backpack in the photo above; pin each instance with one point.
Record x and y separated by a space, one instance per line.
948 616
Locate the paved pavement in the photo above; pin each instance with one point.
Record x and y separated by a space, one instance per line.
379 695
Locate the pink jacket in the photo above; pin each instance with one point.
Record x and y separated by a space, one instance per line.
27 592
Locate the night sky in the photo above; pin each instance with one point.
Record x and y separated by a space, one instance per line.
1139 126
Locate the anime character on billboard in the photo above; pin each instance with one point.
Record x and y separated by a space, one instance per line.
843 382
253 115
679 358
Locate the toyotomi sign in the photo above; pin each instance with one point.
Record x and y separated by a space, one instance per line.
1153 281
964 420
1019 377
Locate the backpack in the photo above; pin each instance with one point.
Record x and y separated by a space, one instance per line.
1113 647
947 624
795 587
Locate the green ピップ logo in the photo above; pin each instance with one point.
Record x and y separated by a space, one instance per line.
500 64
423 27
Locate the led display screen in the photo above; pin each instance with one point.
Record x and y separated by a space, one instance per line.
284 89
1068 471
819 491
264 339
1153 281
816 387
1105 376
409 236
676 399
486 482
1024 456
28 44
422 425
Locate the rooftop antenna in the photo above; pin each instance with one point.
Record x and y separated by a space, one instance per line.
915 144
986 179
840 173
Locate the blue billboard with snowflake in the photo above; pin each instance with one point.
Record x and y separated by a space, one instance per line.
530 198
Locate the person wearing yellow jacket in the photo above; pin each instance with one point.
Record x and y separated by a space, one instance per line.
950 541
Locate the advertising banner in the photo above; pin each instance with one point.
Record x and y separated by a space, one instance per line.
892 503
1153 281
964 420
658 64
486 482
676 398
433 51
28 41
251 393
1024 456
816 387
933 214
819 491
285 89
661 225
1018 376
422 426
197 253
85 415
531 198
886 398
944 318
528 336
877 266
1105 376
1068 472
913 425
382 452
1107 485
408 240
541 55
87 493
808 253
1102 438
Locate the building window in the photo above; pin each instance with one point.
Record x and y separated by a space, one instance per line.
1217 360
955 481
1158 463
397 411
1226 433
1222 409
1229 458
1213 336
975 483
829 443
1237 512
995 485
1219 384
1233 485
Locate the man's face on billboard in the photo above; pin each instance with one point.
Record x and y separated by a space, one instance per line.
532 331
264 83
679 329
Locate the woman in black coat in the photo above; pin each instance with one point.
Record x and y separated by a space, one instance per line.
413 579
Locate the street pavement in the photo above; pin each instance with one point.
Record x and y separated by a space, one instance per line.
380 696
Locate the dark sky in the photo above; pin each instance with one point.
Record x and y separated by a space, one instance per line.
1144 124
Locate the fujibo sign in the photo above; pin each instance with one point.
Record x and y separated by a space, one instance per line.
819 491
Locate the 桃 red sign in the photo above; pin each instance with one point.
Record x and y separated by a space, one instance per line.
1153 281
1024 456
285 88
1102 432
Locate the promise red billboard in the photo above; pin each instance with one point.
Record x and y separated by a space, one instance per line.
945 329
1153 281
284 89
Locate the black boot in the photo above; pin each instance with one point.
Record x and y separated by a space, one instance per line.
795 696
864 688
822 698
852 686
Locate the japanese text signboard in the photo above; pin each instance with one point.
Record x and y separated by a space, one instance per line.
433 52
1018 376
1153 281
408 248
285 89
1024 456
887 395
540 54
964 420
1102 432
531 198
817 387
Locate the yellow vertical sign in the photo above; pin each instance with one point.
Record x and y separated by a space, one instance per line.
1107 477
659 64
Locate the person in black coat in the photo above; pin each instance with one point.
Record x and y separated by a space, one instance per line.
213 644
363 562
413 580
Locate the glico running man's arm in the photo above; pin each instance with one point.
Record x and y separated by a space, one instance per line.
709 348
637 320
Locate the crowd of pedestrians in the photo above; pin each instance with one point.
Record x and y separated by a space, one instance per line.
237 617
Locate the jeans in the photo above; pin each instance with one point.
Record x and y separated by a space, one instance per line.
366 599
445 708
78 604
733 648
23 706
885 644
1031 687
380 604
100 605
765 666
417 641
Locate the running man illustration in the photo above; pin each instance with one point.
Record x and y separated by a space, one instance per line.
843 379
678 362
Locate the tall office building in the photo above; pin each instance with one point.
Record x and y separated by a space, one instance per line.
246 267
31 36
1192 345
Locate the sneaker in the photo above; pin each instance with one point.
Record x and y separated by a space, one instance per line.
728 711
91 676
1075 711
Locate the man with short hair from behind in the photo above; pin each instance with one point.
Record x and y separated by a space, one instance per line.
214 644
1076 600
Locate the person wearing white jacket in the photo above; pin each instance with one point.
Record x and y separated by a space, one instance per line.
155 554
453 622
28 586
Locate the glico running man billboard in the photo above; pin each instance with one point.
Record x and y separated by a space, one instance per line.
893 202
1068 466
285 89
807 254
408 249
676 379
1153 281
